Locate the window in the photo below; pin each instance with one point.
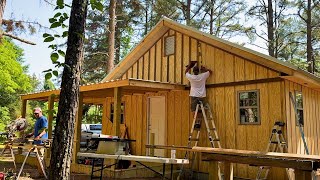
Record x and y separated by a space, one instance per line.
112 113
299 107
169 43
249 107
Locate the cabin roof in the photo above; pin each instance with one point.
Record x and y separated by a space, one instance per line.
287 70
96 93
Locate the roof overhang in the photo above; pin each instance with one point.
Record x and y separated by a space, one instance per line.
304 78
96 93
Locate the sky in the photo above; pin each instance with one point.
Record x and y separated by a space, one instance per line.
36 56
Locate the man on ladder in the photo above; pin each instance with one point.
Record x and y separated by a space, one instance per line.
198 85
198 106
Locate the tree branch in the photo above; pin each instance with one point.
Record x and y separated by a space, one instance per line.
19 39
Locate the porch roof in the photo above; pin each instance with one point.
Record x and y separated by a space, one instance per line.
96 93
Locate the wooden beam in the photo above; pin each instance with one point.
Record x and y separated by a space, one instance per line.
260 159
155 85
50 114
117 112
239 83
24 108
77 130
40 95
104 85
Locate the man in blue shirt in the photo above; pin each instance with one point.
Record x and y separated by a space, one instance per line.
40 126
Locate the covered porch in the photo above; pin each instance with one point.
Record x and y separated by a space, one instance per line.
96 94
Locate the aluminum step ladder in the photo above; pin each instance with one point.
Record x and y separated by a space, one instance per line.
194 136
277 143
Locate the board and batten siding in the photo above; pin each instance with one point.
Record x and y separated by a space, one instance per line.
311 111
153 65
223 102
227 68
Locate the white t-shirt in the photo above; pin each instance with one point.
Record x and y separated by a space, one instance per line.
198 84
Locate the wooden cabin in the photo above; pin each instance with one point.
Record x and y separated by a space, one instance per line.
150 88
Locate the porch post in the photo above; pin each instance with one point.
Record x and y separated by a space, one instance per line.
23 115
50 120
117 112
104 117
50 114
24 108
77 130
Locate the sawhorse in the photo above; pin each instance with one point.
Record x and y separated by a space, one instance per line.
34 149
8 145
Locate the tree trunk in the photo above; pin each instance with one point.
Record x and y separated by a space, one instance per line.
310 62
188 12
69 95
211 16
118 34
112 27
2 6
270 25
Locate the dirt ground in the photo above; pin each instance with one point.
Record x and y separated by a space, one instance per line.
31 172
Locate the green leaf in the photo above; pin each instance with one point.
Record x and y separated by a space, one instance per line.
46 35
53 46
54 25
55 73
65 15
48 76
65 34
99 6
56 35
48 39
54 57
60 3
61 53
52 20
57 15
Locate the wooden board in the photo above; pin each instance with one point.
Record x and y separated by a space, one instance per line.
135 158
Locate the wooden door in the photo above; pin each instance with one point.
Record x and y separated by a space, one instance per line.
157 123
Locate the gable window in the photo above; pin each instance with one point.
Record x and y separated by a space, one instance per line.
299 107
169 45
248 107
122 113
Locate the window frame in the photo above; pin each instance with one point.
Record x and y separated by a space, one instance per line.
165 45
299 108
122 113
246 107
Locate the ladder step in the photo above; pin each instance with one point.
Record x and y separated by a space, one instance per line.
276 142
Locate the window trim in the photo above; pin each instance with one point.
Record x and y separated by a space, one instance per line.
165 44
258 107
121 113
298 108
